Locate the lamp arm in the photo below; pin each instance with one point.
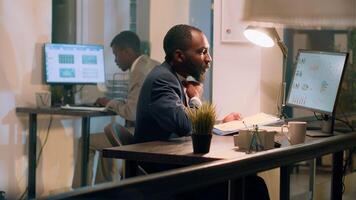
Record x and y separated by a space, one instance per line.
280 43
284 50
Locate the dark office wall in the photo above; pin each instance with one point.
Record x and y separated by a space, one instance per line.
63 21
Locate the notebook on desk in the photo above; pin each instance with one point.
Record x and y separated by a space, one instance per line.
259 119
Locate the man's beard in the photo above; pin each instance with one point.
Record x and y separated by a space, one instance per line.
198 73
199 76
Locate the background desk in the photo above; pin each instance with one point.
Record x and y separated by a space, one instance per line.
33 112
180 152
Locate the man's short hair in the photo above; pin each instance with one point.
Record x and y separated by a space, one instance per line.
126 39
178 37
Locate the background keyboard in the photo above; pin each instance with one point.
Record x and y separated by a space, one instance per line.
88 108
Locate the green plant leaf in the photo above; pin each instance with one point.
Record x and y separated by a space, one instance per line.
203 118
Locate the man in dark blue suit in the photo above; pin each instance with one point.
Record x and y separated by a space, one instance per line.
165 93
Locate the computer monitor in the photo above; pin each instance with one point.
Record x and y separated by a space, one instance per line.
73 64
316 80
66 65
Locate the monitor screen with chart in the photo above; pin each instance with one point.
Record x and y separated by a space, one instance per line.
316 80
73 64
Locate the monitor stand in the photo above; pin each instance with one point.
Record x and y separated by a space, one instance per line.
326 127
62 95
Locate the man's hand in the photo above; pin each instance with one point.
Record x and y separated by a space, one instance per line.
102 101
193 89
231 117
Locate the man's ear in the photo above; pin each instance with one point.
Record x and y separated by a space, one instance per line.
128 51
179 56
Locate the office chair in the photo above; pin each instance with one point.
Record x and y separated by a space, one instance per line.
118 136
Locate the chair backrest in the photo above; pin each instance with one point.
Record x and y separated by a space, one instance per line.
118 135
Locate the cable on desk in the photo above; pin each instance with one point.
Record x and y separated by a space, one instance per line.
316 117
45 141
351 151
346 121
79 90
347 161
40 152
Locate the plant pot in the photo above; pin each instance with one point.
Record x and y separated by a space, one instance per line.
201 143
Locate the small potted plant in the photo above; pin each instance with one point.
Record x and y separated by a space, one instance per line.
203 120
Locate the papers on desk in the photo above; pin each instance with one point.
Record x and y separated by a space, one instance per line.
259 119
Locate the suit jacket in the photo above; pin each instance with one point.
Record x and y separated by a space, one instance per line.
161 107
127 109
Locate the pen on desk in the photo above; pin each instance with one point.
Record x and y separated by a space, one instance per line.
244 124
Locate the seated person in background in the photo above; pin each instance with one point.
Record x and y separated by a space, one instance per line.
165 94
126 48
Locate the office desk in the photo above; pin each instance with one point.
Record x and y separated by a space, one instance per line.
180 152
33 112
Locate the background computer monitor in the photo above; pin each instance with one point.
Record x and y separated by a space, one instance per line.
67 65
316 80
74 64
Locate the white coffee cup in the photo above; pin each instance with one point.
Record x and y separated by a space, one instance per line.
296 131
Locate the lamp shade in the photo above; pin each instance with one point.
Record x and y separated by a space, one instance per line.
260 36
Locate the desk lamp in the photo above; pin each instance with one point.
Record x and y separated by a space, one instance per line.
267 37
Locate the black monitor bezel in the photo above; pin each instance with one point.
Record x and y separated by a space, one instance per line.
346 54
68 83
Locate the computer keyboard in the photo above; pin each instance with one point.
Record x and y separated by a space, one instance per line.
84 107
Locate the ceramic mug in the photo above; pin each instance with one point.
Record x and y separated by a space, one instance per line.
296 131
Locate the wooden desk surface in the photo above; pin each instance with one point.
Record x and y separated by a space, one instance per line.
60 111
170 182
180 151
177 151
